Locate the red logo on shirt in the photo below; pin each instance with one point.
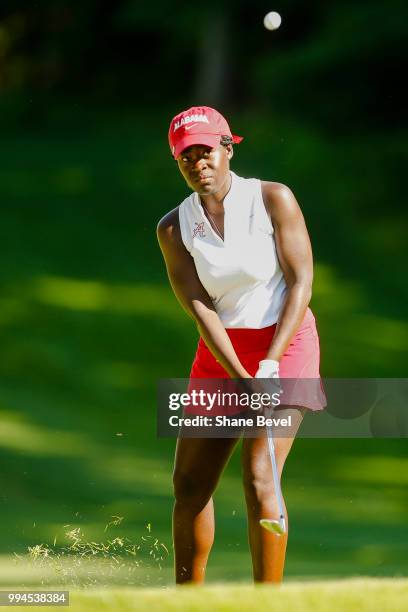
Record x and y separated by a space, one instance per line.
199 230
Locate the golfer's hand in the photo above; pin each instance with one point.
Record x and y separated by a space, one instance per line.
268 370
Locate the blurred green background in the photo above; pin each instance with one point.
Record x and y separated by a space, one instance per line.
87 320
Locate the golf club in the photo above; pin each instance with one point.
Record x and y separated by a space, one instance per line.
277 527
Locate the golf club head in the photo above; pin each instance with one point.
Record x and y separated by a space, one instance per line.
273 526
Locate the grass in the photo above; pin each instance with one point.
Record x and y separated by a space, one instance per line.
358 595
88 324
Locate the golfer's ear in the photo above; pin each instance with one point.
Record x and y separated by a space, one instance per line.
230 151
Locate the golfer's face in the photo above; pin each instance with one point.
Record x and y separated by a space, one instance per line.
204 168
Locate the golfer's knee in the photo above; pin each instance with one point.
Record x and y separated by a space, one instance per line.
190 490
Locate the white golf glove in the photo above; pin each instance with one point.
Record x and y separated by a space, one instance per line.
268 368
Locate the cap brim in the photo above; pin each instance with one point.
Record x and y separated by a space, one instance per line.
209 140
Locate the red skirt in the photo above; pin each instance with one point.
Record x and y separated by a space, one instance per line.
300 363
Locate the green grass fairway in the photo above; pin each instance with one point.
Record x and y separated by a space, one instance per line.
362 595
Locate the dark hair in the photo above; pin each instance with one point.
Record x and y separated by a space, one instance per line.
226 140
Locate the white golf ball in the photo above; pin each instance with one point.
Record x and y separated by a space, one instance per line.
272 20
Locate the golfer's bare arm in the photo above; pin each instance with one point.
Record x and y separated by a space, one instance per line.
193 297
295 257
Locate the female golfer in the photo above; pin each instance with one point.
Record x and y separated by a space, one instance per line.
239 260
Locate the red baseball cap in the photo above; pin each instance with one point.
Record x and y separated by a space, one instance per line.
199 125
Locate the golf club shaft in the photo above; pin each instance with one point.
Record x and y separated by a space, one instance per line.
276 479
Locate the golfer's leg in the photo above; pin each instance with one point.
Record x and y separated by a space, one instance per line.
267 549
198 466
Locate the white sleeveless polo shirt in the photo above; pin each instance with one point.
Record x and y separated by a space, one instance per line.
241 274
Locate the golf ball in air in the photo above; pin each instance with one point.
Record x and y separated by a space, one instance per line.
272 21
